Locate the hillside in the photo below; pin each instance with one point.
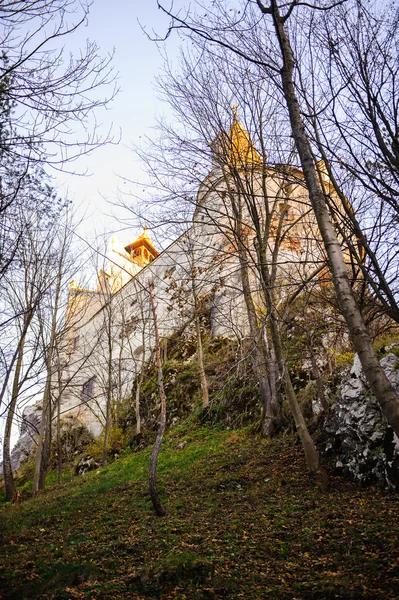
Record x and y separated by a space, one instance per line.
243 521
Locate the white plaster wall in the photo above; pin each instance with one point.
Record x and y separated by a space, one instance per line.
217 273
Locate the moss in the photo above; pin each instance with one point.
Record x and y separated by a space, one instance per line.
234 395
118 440
344 360
75 438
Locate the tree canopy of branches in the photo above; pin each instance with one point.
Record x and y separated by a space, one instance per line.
53 95
266 34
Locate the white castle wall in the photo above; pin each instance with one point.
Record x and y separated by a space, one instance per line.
123 326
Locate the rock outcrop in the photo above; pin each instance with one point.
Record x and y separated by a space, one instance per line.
85 464
74 436
359 437
30 428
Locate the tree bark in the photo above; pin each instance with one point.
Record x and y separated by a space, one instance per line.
311 454
201 368
156 502
7 468
376 378
259 359
44 442
108 410
59 445
137 406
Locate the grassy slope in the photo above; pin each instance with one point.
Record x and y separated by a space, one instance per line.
243 522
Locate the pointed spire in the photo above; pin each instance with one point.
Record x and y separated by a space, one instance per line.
241 151
235 147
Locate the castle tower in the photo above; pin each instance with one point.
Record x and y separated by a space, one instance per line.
142 251
235 147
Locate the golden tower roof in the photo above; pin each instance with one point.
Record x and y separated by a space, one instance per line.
241 150
142 249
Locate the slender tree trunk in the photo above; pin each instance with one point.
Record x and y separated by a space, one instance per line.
44 442
59 445
7 468
201 368
200 353
272 370
46 447
259 359
311 454
376 378
137 405
108 409
108 412
108 416
156 502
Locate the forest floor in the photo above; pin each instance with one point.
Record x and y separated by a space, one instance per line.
243 521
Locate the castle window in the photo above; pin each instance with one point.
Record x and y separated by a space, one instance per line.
284 210
88 389
75 343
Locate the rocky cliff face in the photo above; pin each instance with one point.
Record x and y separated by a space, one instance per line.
363 443
25 446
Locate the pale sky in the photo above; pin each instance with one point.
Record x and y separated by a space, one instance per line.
133 112
115 26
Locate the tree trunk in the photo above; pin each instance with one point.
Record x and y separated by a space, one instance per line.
137 406
272 369
44 442
108 409
311 454
59 445
156 502
259 359
376 378
46 447
201 368
7 469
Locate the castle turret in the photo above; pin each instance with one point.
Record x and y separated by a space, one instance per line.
142 250
235 148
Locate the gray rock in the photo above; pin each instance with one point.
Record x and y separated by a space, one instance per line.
30 428
359 437
85 464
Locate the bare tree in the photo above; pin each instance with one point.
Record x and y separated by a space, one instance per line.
156 502
268 21
139 354
355 132
27 286
51 313
190 292
49 102
246 202
52 93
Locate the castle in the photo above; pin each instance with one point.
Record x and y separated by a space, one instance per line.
110 331
109 334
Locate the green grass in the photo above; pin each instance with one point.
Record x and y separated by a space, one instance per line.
243 521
